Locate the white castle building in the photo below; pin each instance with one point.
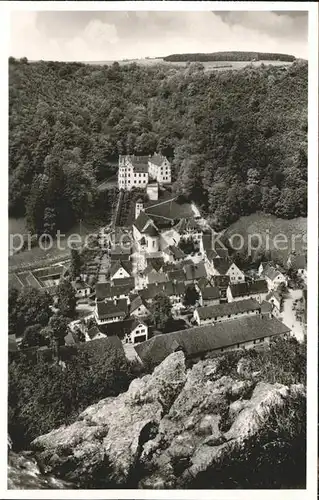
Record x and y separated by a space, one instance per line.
138 171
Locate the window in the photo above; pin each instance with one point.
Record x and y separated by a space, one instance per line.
238 345
254 342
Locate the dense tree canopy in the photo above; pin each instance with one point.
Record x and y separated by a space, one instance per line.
237 139
28 307
230 56
35 408
161 311
66 298
191 296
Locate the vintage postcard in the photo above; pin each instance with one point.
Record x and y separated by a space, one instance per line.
161 277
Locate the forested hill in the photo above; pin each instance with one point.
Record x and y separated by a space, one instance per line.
237 139
230 56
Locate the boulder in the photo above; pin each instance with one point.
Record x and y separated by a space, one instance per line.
111 433
168 428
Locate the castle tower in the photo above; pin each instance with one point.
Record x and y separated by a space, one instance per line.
139 207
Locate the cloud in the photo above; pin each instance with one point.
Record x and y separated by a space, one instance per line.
279 24
92 36
90 44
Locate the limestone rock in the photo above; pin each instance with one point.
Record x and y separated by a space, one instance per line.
112 432
169 427
25 474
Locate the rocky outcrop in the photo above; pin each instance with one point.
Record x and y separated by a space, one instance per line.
25 474
168 428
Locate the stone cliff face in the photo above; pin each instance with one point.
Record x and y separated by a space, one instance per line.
168 428
25 474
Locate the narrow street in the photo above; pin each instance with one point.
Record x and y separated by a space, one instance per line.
288 314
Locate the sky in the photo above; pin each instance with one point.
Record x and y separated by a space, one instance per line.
107 36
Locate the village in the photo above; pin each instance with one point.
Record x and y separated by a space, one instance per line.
164 283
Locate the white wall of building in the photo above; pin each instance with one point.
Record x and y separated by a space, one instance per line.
235 274
219 319
120 273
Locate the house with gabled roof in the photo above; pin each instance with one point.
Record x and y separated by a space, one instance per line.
82 289
188 228
209 296
129 282
176 275
104 291
195 272
272 274
159 168
257 289
138 333
226 312
225 267
121 253
175 291
203 282
150 292
173 254
94 333
275 300
243 333
153 276
110 311
120 269
130 331
138 307
157 263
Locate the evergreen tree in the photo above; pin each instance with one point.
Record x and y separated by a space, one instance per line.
66 298
191 296
76 263
161 311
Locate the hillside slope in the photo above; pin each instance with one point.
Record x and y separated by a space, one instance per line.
238 140
230 56
268 228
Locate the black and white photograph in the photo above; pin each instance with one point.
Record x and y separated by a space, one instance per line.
158 282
